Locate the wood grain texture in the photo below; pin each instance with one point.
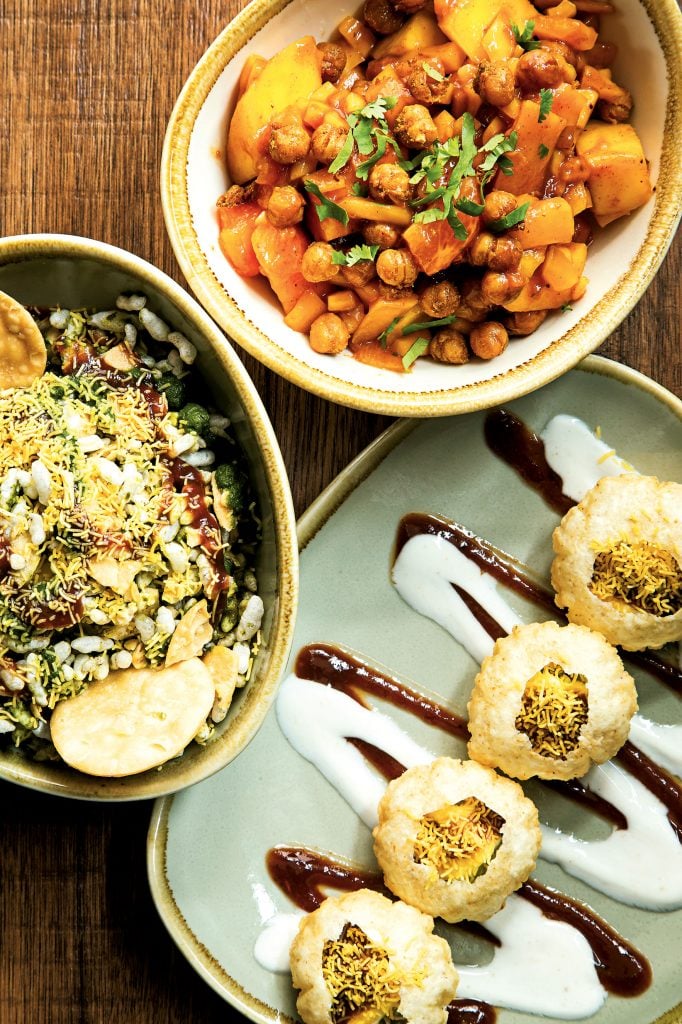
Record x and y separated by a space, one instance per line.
87 91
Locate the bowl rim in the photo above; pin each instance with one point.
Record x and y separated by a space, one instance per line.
30 247
558 357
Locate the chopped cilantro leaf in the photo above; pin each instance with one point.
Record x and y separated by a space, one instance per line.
515 217
496 150
416 349
426 325
524 36
344 154
325 208
357 188
546 101
543 151
368 130
567 308
432 72
469 207
383 337
355 255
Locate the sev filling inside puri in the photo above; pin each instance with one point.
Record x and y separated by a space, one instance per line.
553 711
641 574
459 840
364 987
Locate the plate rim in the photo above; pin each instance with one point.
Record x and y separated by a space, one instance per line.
558 357
309 524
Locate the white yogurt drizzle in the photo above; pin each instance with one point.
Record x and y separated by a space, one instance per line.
580 458
663 743
543 966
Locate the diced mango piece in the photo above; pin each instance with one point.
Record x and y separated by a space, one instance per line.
279 252
547 222
600 80
367 209
499 41
237 224
287 78
419 31
574 105
578 197
389 84
357 35
307 309
379 316
540 294
565 30
445 124
619 175
372 354
466 21
560 270
253 65
529 168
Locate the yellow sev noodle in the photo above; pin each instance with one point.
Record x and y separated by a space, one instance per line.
641 574
459 840
360 979
553 711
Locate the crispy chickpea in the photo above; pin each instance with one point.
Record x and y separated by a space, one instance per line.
439 300
285 206
499 287
499 252
567 140
359 274
498 205
397 267
381 17
602 54
560 50
538 69
317 262
388 182
449 346
496 83
236 195
573 170
617 112
488 340
327 142
391 292
473 305
289 140
386 236
427 83
525 323
333 61
414 127
329 334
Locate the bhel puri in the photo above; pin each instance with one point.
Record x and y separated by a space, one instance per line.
363 958
455 839
550 701
618 561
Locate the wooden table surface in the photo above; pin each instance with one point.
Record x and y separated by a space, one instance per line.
87 92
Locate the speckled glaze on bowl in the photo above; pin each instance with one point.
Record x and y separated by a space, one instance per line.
621 263
76 272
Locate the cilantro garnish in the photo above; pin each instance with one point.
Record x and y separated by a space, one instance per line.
567 308
546 101
383 337
368 131
496 149
432 72
426 325
416 349
515 217
542 151
325 208
524 36
355 255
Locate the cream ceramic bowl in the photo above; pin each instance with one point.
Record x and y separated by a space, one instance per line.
74 272
621 262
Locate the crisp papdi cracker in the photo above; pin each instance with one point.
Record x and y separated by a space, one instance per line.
112 573
134 719
223 665
191 635
23 356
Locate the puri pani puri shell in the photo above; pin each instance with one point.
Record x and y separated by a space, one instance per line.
134 719
622 510
501 722
428 791
419 964
23 356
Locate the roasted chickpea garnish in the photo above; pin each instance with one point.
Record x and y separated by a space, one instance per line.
488 340
359 274
428 84
473 305
439 300
381 16
414 127
538 69
386 236
236 195
500 287
396 267
389 183
317 263
327 142
496 83
329 334
617 112
525 323
449 346
289 141
285 206
498 252
333 61
498 205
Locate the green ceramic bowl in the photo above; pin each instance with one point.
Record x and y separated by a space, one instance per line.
74 272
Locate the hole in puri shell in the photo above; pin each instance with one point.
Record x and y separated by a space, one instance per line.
459 840
642 575
553 711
